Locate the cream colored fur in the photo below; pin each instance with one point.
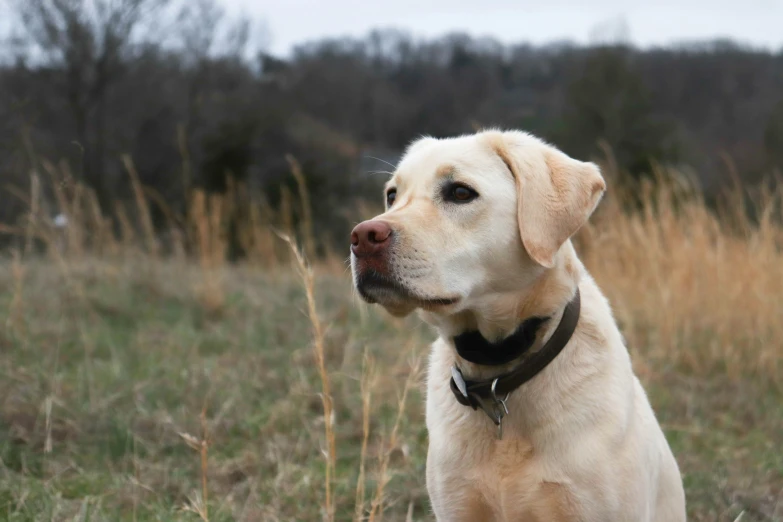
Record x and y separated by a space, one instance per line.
581 442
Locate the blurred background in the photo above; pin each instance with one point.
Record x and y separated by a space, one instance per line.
166 354
200 92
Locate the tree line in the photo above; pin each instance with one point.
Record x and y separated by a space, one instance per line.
86 82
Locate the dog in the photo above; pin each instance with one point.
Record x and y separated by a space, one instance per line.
533 410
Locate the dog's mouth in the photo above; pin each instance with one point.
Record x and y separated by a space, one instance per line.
375 287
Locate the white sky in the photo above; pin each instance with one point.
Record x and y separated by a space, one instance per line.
650 22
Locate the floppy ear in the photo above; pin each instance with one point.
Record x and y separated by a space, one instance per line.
556 194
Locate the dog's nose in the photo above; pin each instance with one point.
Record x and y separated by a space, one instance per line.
370 238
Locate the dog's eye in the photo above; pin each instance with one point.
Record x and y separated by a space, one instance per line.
458 193
391 195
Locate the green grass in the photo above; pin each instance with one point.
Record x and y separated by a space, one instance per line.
101 371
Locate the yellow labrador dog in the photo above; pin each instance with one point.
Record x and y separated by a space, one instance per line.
533 410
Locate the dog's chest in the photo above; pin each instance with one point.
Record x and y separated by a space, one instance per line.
514 483
503 484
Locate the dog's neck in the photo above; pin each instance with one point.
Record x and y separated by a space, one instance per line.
500 315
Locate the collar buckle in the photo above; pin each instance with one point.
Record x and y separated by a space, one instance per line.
495 407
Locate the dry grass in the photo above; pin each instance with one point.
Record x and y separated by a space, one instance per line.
692 289
306 273
120 345
368 376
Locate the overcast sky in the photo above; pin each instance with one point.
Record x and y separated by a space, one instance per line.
651 22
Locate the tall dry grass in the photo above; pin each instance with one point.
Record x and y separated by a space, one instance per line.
308 278
693 288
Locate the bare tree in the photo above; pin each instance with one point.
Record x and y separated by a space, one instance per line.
208 38
205 31
198 22
87 40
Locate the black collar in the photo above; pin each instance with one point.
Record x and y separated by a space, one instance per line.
473 347
491 394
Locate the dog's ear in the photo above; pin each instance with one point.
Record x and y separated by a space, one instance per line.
556 194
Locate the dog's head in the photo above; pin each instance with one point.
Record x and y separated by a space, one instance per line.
470 216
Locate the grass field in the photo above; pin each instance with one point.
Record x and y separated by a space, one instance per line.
115 370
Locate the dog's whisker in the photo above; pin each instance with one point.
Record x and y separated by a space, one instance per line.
382 161
378 173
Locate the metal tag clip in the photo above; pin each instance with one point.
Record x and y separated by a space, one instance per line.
499 403
496 409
